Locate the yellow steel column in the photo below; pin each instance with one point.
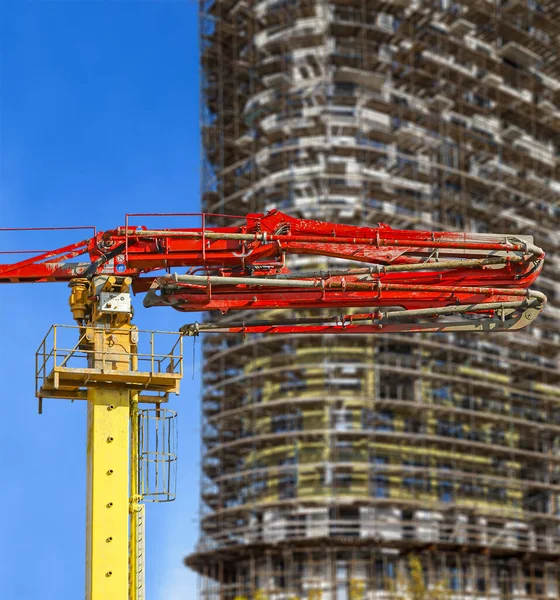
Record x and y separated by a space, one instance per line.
107 498
134 498
112 341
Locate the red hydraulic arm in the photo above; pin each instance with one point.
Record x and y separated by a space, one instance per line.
399 280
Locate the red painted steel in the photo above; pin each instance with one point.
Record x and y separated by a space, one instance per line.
244 267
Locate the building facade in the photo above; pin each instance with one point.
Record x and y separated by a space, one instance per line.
328 461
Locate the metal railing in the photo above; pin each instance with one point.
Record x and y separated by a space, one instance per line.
394 532
64 349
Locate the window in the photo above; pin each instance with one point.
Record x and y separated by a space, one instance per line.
450 429
282 423
414 484
445 487
454 580
381 486
287 487
385 420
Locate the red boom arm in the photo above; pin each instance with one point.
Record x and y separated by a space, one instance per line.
419 278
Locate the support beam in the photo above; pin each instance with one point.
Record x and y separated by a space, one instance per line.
107 497
135 506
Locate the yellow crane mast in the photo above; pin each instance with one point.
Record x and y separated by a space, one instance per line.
110 379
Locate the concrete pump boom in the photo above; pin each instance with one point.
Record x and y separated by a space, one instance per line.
387 280
416 275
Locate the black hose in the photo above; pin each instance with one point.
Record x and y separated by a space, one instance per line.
91 271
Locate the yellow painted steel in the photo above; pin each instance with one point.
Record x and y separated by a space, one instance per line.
134 506
107 497
102 367
113 343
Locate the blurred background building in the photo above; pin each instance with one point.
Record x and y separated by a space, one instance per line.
328 460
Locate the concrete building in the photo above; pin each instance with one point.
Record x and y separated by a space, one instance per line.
327 461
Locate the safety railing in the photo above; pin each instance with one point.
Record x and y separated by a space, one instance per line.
510 537
66 362
199 221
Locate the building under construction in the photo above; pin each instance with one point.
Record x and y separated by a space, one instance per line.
327 461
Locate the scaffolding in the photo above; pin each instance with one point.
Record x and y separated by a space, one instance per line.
326 462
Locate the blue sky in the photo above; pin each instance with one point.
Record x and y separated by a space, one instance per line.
98 117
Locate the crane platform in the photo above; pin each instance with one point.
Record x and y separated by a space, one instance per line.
66 369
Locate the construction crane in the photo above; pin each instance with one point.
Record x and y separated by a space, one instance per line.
382 280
